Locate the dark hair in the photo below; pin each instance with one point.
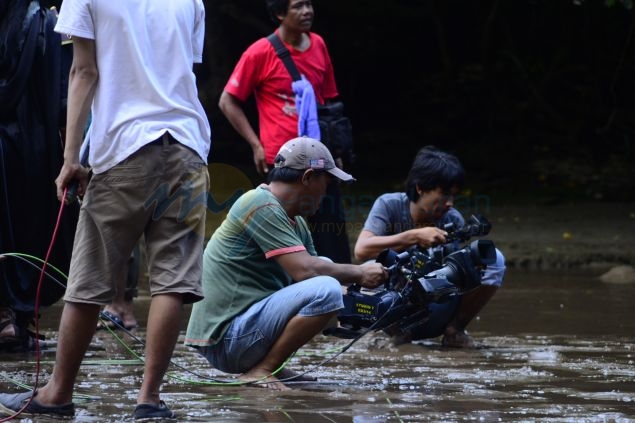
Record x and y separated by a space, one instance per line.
283 174
431 169
277 7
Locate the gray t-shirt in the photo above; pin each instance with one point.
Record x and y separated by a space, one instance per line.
390 215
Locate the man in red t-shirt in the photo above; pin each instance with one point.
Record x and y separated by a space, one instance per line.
262 73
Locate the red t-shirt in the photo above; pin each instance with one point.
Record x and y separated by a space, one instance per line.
261 72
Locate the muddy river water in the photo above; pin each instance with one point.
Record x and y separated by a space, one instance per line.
553 347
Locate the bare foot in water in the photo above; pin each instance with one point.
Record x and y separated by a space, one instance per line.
9 331
457 339
122 313
263 379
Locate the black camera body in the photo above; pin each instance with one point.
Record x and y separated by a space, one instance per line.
417 278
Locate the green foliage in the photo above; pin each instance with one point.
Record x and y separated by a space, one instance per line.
626 3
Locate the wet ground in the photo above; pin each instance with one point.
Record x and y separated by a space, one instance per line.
554 347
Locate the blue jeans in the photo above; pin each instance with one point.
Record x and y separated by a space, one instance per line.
440 314
494 273
251 334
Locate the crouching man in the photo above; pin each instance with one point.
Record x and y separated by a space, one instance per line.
401 220
267 293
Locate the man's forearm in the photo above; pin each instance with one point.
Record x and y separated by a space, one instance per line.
233 111
81 91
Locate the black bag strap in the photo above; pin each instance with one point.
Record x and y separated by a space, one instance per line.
285 55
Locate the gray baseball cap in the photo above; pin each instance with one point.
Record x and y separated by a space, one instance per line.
307 153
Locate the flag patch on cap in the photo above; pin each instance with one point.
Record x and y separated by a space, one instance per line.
316 163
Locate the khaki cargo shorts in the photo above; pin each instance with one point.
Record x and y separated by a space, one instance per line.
159 192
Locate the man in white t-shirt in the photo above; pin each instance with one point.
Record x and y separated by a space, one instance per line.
149 142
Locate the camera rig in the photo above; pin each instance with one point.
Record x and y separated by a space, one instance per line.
417 278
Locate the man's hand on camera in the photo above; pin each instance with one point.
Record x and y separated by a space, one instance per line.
429 236
373 275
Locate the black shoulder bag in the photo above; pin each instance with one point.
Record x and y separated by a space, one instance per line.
335 128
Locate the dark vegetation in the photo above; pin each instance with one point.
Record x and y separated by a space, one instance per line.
537 97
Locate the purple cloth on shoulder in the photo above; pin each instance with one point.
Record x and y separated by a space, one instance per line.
306 107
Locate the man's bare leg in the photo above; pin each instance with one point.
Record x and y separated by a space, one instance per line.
471 303
77 326
164 324
298 331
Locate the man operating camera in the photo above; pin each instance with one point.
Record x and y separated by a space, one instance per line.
267 292
416 217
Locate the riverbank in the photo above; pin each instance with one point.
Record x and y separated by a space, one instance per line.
595 236
545 228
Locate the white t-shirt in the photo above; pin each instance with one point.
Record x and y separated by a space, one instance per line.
145 53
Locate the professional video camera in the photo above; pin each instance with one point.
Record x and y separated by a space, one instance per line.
417 278
475 226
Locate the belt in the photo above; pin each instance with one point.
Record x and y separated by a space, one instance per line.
165 139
